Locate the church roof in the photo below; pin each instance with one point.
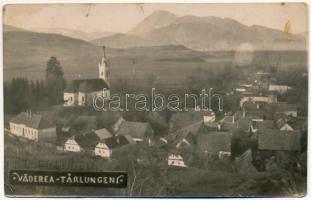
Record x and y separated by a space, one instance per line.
86 85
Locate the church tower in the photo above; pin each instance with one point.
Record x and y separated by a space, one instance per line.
103 67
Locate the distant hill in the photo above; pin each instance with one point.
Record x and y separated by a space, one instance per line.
74 33
204 34
26 54
121 40
156 20
9 28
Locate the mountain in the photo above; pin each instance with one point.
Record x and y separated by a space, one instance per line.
204 34
122 40
156 20
9 28
74 33
26 54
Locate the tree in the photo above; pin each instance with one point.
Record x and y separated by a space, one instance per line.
55 81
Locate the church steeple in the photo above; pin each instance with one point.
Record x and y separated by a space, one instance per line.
103 67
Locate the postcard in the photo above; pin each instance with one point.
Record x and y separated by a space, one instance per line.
155 100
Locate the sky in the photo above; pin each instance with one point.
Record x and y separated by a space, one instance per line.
124 17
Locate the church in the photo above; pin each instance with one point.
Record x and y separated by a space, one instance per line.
81 92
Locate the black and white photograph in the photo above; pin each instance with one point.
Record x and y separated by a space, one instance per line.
155 99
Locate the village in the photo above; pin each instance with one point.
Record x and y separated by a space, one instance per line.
263 133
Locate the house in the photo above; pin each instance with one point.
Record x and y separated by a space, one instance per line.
244 123
282 125
103 133
83 124
116 126
72 145
276 140
182 119
262 124
209 116
105 147
287 109
82 92
186 137
281 89
228 123
32 126
175 160
216 143
139 131
82 143
266 99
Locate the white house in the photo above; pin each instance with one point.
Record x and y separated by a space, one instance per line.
82 92
32 127
105 147
175 160
72 145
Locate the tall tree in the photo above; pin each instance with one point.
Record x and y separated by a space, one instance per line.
55 81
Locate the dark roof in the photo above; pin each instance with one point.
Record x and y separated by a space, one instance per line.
32 120
212 126
87 140
281 107
183 119
188 132
228 119
117 141
135 129
214 142
244 123
265 124
86 85
89 121
273 139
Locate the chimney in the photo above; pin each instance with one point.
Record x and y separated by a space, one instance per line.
257 106
233 119
29 113
118 140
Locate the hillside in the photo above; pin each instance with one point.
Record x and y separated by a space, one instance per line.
26 54
121 40
204 34
156 20
87 36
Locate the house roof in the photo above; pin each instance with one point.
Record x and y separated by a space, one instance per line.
244 123
274 139
35 121
228 119
183 119
86 85
89 121
265 124
184 133
103 133
87 140
281 107
135 129
117 141
214 142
